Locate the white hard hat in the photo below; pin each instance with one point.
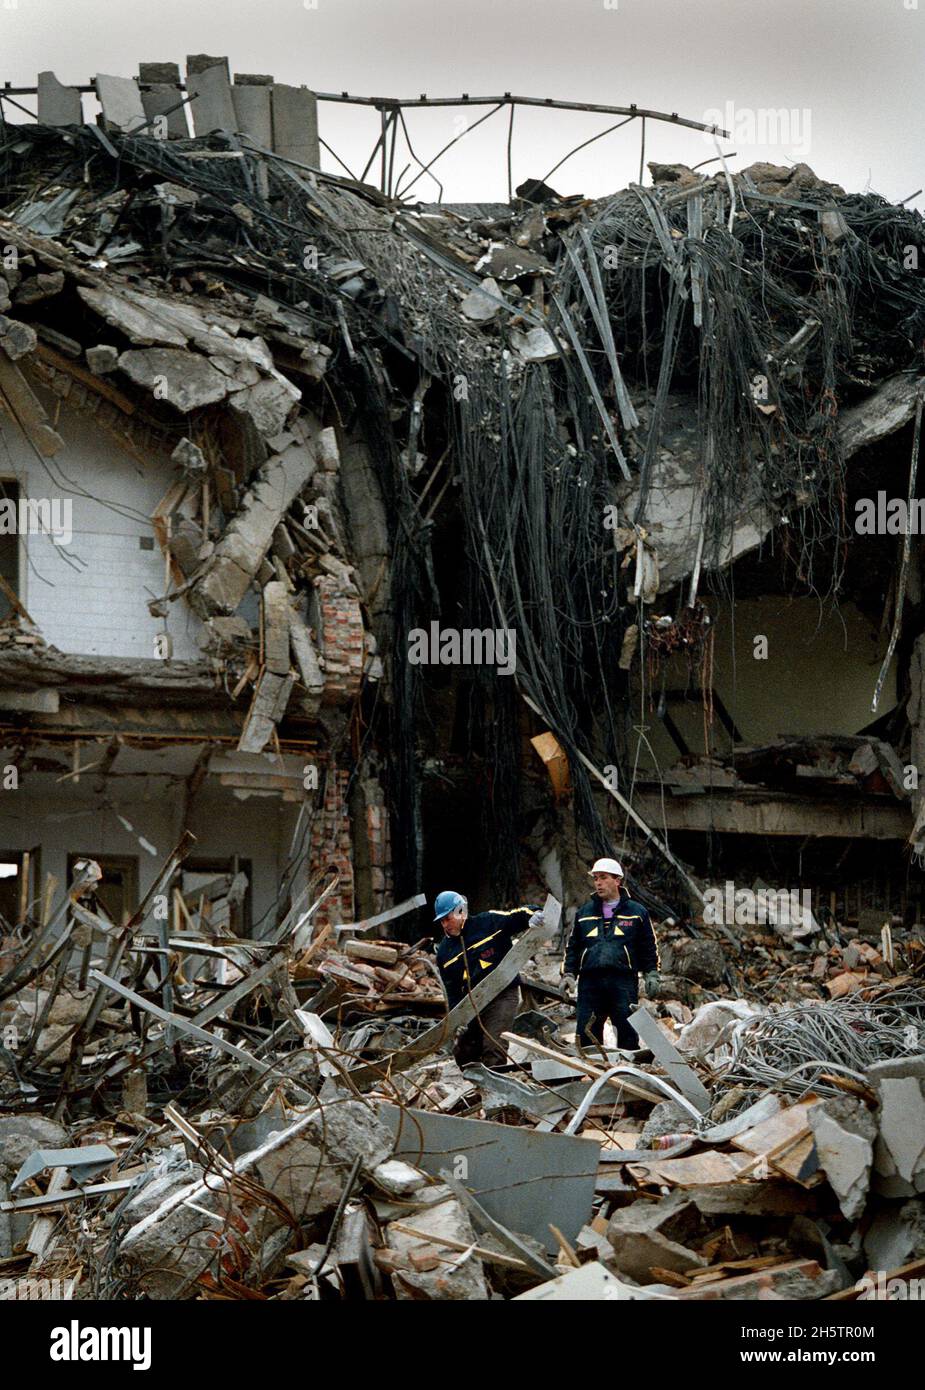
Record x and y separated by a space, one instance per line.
607 866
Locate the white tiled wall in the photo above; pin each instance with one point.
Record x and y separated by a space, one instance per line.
91 596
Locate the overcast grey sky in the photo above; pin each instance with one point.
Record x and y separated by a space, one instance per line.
847 74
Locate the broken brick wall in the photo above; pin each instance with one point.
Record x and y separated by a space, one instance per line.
342 642
332 845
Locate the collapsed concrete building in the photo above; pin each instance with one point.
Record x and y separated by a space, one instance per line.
361 548
301 423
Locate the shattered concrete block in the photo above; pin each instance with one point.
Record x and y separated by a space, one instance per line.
121 102
184 379
21 1135
248 536
638 1236
240 374
899 1153
536 345
896 1236
302 1176
16 339
664 1118
483 304
769 1198
42 286
844 1131
346 1128
702 961
57 104
448 1279
269 403
102 359
398 1178
190 458
700 1035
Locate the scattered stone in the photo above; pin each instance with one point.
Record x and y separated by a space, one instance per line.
37 287
844 1131
483 304
702 961
184 379
102 359
16 339
449 1278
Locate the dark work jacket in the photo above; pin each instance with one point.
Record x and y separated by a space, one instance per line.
626 942
482 944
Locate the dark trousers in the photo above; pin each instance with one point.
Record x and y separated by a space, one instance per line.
603 995
480 1040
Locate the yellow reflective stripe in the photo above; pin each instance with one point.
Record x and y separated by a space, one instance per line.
453 959
507 911
589 919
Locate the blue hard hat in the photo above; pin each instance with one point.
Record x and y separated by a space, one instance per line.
446 903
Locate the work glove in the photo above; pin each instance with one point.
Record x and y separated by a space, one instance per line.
653 984
536 919
569 984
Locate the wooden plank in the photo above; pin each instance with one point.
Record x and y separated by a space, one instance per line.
371 950
764 1138
693 1170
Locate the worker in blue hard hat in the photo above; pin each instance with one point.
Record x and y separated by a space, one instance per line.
471 948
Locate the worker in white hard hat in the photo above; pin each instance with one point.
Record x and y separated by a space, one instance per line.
611 942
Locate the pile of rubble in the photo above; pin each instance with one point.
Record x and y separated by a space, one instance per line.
294 1128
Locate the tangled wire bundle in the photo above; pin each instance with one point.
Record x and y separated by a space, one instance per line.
790 1051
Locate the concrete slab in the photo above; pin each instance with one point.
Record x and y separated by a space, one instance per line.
844 1133
523 1179
121 101
57 104
902 1123
295 124
253 113
211 106
158 100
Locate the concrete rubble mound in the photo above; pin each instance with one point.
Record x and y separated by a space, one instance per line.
301 425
